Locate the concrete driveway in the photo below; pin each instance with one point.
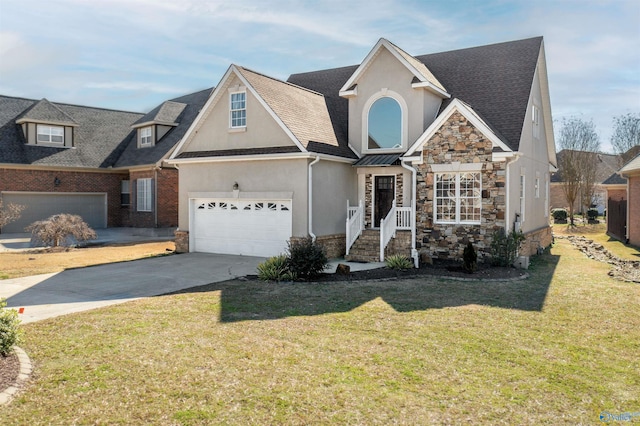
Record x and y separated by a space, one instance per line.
75 290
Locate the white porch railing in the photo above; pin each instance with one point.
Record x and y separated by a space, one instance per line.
355 223
403 217
388 227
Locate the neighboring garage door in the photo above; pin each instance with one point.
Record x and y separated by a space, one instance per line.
246 227
92 208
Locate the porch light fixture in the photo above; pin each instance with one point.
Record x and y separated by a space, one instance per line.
56 182
236 187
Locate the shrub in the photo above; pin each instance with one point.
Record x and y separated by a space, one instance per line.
469 258
9 331
560 215
592 214
399 262
61 230
306 258
275 269
504 248
9 212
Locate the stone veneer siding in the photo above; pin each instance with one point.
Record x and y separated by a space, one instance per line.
534 240
368 195
459 141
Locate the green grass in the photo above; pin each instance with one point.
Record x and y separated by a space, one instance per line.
557 348
597 233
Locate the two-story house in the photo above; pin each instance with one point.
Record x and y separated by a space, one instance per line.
399 153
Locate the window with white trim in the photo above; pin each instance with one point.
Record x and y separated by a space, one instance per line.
535 118
238 110
50 134
145 136
522 198
385 124
458 198
546 195
143 194
537 187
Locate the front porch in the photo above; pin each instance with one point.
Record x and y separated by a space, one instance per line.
375 244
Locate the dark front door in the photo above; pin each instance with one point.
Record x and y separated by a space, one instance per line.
384 193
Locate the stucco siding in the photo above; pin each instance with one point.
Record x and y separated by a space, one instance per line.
386 72
333 184
261 131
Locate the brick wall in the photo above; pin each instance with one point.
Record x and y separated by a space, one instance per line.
540 238
459 140
167 198
633 210
70 181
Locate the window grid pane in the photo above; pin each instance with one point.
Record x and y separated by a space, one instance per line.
458 197
238 110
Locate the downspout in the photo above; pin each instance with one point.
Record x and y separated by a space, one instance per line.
414 252
310 197
155 196
509 161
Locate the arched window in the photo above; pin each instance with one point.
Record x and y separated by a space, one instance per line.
385 124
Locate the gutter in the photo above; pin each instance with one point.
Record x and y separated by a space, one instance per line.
310 198
414 252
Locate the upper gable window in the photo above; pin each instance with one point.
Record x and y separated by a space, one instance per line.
51 134
535 118
146 136
385 124
238 110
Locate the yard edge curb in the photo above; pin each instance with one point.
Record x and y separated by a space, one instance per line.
26 368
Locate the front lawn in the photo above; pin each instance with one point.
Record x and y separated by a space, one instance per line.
557 348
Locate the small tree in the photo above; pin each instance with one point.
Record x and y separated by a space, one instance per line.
57 230
469 258
9 213
578 161
626 134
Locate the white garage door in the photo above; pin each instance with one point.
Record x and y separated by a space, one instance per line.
246 227
91 207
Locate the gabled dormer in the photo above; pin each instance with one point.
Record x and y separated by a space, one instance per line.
393 98
157 123
45 124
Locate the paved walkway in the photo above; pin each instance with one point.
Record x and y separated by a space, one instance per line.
75 290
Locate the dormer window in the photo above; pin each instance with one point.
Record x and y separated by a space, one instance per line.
238 110
53 135
146 136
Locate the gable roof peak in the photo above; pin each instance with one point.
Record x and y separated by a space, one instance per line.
423 77
44 111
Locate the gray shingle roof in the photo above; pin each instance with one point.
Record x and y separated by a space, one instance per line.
615 179
245 151
495 80
47 112
99 137
606 165
166 113
134 156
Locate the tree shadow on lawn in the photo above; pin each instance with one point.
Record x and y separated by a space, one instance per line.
246 300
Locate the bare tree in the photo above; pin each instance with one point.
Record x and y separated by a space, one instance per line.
58 229
9 213
578 162
626 134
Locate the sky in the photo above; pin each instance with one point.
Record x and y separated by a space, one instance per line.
134 54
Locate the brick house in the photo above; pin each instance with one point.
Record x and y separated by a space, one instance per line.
105 165
623 191
397 154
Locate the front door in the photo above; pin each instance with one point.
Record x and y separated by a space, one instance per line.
383 196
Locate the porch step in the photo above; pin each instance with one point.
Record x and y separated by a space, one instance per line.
366 248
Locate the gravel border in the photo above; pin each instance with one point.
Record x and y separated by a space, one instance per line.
25 372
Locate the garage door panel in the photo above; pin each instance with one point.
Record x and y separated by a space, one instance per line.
39 206
247 227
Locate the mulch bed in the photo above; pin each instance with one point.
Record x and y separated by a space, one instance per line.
440 268
9 370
